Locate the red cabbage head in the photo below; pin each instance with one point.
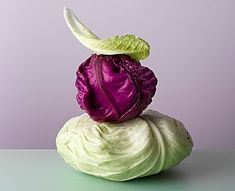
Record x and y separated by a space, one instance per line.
114 88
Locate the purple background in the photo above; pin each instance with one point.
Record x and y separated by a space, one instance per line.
192 53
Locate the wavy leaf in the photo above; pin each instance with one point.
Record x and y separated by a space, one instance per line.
129 44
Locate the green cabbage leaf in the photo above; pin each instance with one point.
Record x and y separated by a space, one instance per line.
129 44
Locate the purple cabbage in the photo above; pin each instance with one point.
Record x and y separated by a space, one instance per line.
114 87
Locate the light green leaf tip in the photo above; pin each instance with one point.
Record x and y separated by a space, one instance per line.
128 44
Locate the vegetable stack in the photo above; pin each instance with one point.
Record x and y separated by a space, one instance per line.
115 140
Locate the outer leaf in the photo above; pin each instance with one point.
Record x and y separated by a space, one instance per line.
129 44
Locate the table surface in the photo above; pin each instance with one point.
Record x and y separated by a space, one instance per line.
44 170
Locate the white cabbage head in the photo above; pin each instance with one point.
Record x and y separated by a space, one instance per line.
142 146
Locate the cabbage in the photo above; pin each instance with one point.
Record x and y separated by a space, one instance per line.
131 45
114 87
141 146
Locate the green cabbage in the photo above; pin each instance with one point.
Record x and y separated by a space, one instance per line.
139 147
129 44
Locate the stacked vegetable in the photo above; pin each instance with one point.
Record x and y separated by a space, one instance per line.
114 140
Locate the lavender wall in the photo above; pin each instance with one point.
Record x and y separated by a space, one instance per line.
192 53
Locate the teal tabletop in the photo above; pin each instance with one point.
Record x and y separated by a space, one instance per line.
44 170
